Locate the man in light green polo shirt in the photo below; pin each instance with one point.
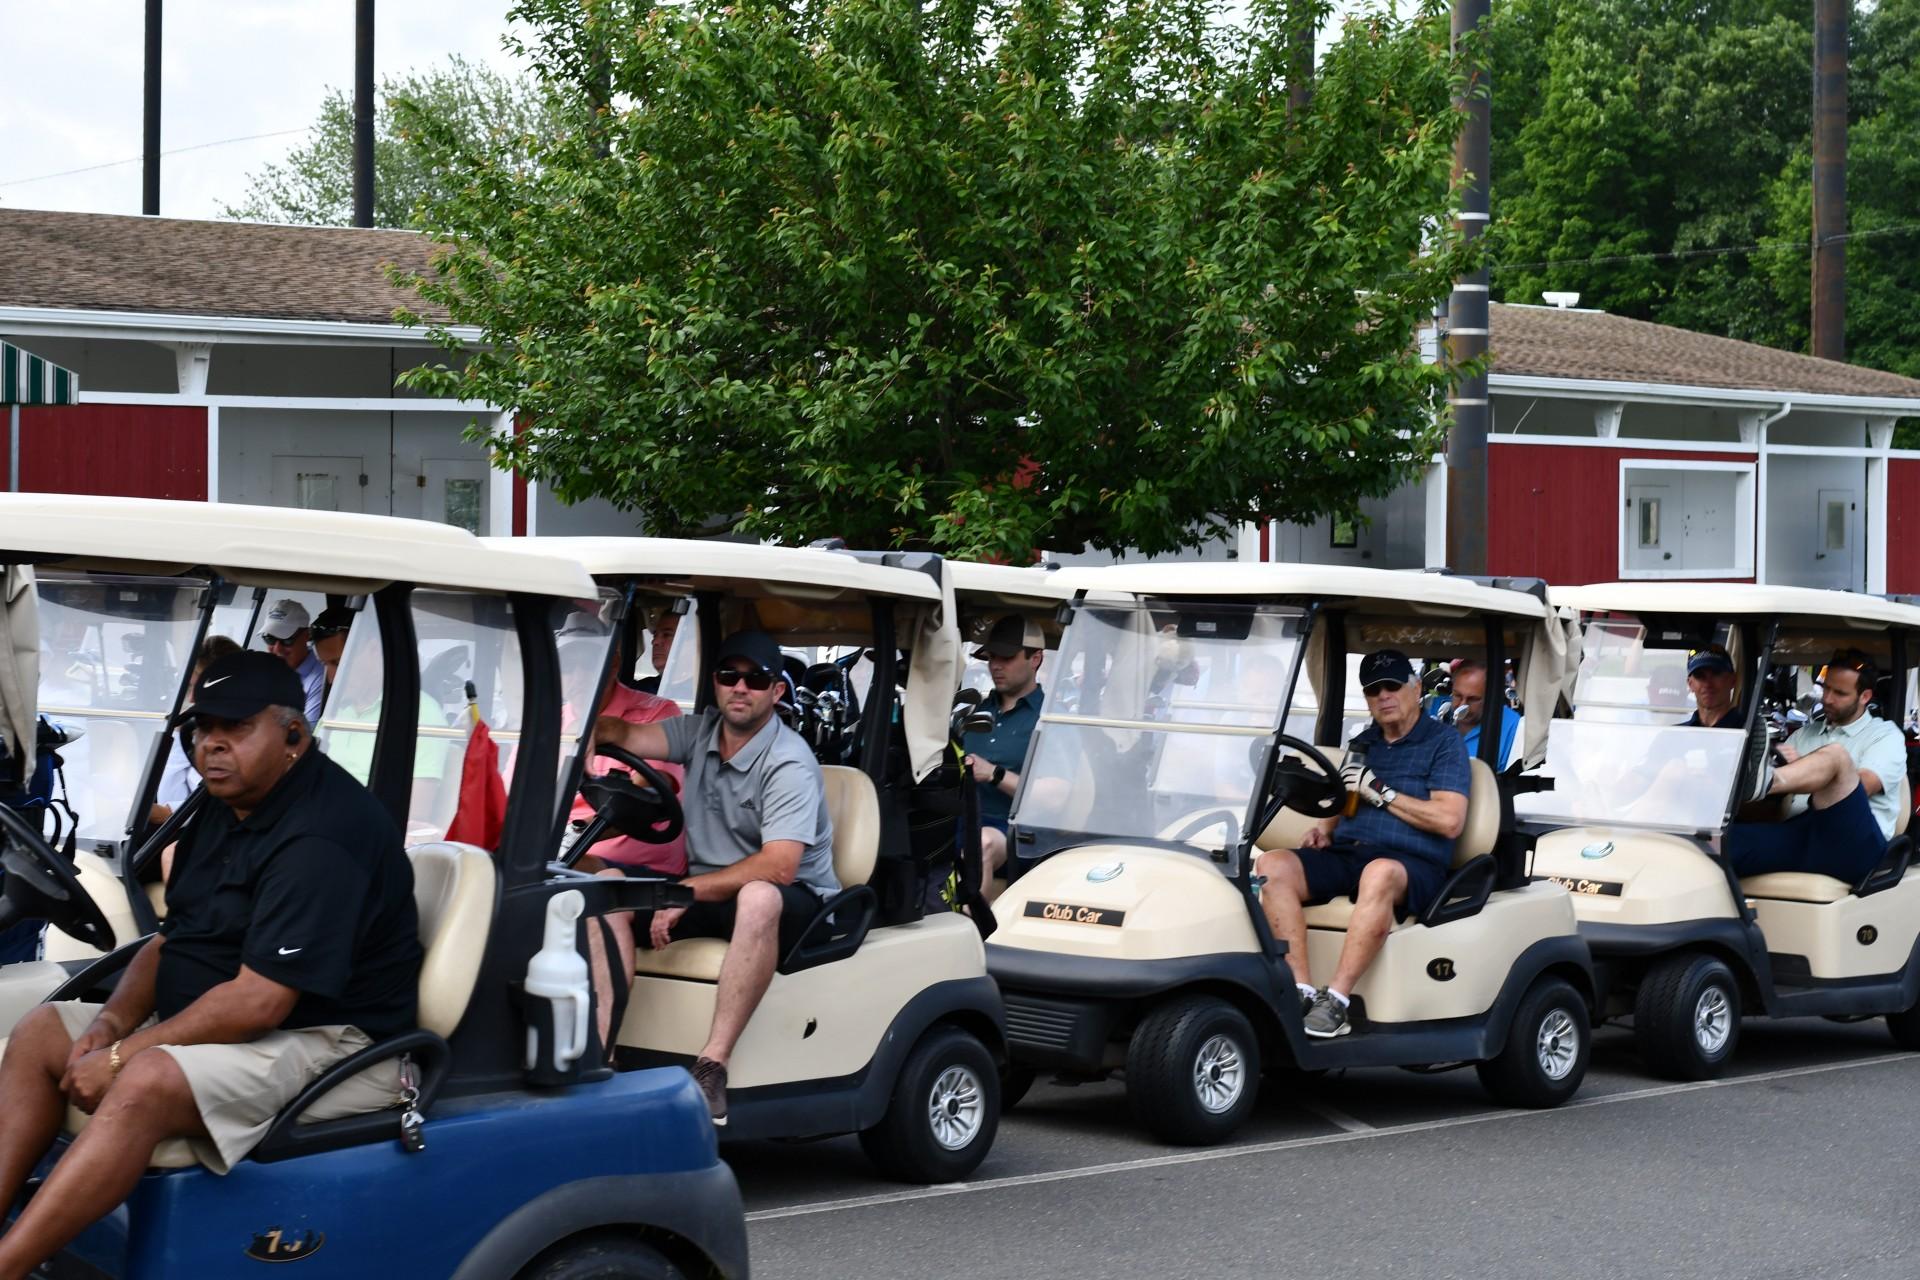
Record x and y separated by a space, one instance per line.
1878 748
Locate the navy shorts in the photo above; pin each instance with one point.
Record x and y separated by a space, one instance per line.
1334 872
1842 841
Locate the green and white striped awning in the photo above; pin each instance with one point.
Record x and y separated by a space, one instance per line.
27 379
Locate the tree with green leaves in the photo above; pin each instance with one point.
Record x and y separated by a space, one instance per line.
495 115
980 275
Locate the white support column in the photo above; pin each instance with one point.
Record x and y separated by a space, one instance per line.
1434 490
1876 523
1606 420
1246 542
13 448
533 508
213 453
191 361
499 486
1880 434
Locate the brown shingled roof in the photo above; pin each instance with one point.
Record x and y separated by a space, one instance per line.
1549 342
172 266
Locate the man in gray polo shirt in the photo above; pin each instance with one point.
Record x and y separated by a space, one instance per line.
759 837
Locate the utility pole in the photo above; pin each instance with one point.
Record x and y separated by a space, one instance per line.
1300 58
1466 329
150 118
363 113
1830 178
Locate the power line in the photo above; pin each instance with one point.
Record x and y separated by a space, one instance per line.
1723 252
115 164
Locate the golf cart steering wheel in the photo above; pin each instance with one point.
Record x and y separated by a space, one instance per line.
43 885
649 813
1317 792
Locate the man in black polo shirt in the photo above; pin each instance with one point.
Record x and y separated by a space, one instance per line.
290 942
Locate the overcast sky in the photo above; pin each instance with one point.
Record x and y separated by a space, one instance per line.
70 89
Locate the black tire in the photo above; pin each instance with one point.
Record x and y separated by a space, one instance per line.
1905 1028
1686 1017
603 1256
1164 1067
1547 1048
905 1144
1015 1080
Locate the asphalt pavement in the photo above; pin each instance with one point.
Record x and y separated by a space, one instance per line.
1799 1163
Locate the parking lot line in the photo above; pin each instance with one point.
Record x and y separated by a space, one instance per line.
1294 1144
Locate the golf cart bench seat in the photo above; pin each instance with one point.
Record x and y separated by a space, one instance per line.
454 887
1808 886
1477 837
855 808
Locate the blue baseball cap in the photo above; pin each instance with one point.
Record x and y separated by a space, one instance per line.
1712 658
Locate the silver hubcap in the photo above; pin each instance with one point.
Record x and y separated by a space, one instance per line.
1219 1074
956 1108
1712 1020
1558 1045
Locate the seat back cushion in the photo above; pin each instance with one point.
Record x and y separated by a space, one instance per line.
1482 829
454 887
1905 812
855 808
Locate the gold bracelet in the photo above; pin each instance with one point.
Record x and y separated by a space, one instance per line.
113 1057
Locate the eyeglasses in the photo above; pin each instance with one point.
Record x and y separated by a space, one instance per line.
758 681
1384 686
279 642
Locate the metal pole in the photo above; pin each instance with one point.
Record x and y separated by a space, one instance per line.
1830 178
1466 330
363 113
150 118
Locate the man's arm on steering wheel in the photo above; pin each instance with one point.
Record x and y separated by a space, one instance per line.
648 741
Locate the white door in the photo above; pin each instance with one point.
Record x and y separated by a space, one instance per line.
1839 551
456 493
1653 530
320 484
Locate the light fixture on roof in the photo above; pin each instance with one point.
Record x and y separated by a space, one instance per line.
1564 301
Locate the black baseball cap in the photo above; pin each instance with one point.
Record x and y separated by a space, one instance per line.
1712 658
332 622
756 647
1009 636
1386 666
241 684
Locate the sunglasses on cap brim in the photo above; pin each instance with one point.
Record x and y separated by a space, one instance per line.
758 681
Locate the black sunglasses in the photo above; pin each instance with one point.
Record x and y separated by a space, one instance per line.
1384 686
758 681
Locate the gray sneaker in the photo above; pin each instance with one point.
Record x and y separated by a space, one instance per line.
1327 1017
712 1079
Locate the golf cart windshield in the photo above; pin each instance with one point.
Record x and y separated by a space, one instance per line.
1626 757
1158 724
113 653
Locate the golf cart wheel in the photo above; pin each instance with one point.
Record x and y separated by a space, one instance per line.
1687 1017
1193 1070
1905 1028
1545 1057
1015 1080
602 1256
944 1111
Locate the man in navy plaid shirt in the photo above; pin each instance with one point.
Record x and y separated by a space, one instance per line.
1393 853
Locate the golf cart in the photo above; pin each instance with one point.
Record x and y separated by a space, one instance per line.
608 1171
881 1020
1639 804
1133 938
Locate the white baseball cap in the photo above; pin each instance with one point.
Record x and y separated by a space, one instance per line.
285 618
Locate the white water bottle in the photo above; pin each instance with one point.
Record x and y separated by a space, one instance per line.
557 974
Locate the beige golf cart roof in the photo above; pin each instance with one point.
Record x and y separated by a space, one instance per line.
1008 586
1799 606
331 551
806 595
1434 593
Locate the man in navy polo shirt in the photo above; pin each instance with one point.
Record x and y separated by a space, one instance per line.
1712 681
1395 850
1013 653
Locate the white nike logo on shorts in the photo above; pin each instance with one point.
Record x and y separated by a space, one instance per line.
287 951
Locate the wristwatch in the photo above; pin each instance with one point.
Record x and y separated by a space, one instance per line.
1387 796
999 772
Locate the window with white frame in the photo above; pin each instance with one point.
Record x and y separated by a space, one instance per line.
1686 519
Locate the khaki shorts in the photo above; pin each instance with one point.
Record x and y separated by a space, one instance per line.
240 1088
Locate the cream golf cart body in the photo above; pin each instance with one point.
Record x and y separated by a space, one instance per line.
1639 804
882 1020
600 1160
1132 936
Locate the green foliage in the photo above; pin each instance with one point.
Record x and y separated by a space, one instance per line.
1682 130
982 275
314 185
